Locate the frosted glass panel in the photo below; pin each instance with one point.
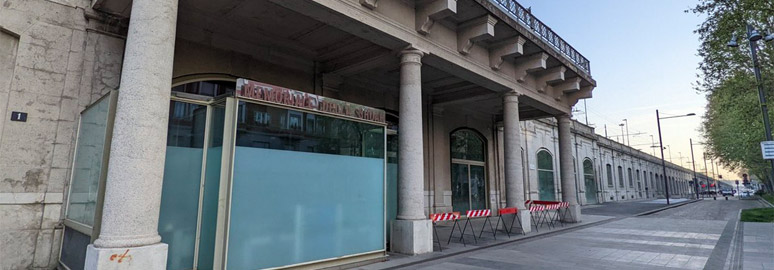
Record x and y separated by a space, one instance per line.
211 187
180 204
291 207
87 167
182 178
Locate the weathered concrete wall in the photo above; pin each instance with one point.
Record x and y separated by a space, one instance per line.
53 62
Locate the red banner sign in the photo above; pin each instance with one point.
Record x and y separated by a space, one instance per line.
302 100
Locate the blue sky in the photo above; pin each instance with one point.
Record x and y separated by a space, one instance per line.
643 57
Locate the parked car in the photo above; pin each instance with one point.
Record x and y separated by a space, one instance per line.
727 192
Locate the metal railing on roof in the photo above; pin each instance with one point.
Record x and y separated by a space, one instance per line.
521 14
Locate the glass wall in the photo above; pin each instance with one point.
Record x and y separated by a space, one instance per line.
182 179
305 187
209 203
88 164
545 170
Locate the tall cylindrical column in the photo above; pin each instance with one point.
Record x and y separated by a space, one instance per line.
135 172
412 231
514 180
566 168
410 158
137 152
514 177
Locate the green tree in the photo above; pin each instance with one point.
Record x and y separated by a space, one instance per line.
733 126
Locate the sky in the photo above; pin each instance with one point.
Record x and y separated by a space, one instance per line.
644 57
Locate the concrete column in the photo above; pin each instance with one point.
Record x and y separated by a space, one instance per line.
514 176
135 172
412 231
565 161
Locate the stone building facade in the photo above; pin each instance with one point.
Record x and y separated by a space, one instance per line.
477 104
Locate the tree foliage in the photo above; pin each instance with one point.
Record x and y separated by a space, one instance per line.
733 126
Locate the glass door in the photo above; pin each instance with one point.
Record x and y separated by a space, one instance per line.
468 171
460 187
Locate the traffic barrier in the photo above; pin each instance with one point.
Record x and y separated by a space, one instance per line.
485 213
536 212
508 211
445 217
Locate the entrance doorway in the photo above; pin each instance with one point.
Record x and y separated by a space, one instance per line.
468 170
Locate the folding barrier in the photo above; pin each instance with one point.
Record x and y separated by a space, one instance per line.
486 213
508 211
557 216
444 217
536 213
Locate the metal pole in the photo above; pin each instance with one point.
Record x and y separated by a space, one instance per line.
663 162
606 132
761 97
628 141
586 111
695 179
623 139
652 144
714 175
706 171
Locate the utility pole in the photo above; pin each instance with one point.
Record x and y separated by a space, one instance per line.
706 171
628 141
695 179
586 111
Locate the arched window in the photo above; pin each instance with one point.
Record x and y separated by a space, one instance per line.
468 170
620 177
545 170
609 175
590 183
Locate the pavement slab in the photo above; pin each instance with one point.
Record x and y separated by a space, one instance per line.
683 237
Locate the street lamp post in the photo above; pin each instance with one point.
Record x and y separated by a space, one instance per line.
753 36
695 179
661 143
628 142
706 172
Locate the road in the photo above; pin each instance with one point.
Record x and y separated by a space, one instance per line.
686 237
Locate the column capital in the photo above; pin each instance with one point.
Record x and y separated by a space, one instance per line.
564 117
411 54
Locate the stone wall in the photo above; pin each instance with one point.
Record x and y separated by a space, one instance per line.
54 61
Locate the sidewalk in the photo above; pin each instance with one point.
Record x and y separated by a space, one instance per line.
758 245
607 212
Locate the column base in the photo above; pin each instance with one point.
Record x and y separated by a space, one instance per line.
573 214
149 257
524 217
412 237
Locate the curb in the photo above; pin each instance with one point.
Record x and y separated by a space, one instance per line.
765 202
539 235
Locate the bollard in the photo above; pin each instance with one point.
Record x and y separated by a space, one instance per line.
726 198
715 198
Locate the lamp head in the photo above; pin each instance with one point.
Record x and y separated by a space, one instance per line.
732 43
690 114
755 35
